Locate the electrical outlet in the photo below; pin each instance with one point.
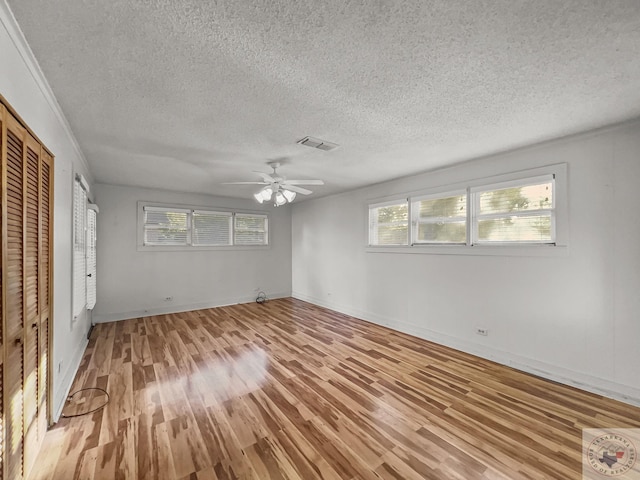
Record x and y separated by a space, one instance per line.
168 299
482 331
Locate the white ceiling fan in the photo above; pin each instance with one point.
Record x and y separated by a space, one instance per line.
278 187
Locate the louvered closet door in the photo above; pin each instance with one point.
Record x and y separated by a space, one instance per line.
46 194
2 250
15 282
31 287
26 272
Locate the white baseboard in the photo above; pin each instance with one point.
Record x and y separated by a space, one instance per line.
599 386
67 380
222 302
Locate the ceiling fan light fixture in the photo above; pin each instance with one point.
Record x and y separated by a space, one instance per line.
263 195
289 195
278 189
280 199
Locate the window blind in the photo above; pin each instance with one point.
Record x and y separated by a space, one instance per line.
389 223
79 247
166 226
91 258
198 227
518 212
440 218
251 229
211 228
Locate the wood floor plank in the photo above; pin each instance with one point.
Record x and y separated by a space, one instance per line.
126 460
50 453
105 464
87 467
288 390
162 467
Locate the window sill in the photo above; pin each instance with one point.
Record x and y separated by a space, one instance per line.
479 250
186 248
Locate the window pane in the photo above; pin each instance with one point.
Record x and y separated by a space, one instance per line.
533 229
389 225
455 206
165 236
165 218
165 227
450 232
245 222
441 220
211 228
392 235
392 214
517 199
247 237
251 230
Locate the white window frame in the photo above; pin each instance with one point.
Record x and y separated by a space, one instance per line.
559 172
415 215
141 246
373 232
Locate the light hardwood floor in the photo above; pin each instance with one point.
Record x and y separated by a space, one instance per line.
288 390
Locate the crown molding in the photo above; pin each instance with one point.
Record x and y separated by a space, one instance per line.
8 20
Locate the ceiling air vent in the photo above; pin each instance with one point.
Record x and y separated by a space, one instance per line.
317 143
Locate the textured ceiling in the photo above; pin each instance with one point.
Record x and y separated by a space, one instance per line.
185 95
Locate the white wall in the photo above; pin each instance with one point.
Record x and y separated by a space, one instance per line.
133 283
572 316
23 85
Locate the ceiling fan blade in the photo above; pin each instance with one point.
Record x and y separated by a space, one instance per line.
303 182
301 190
266 177
246 183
